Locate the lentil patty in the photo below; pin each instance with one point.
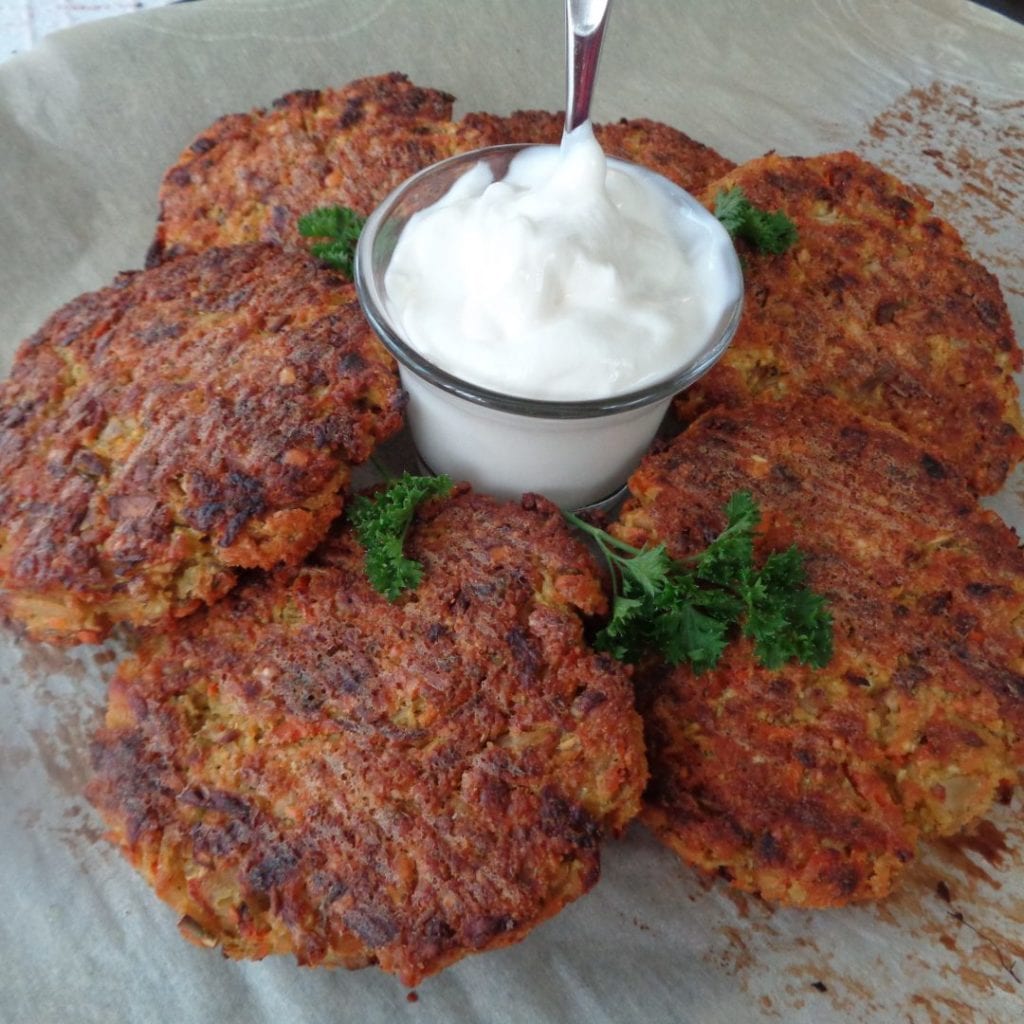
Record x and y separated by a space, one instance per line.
307 768
181 423
878 304
812 787
249 177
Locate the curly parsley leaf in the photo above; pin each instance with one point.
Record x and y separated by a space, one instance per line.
687 612
784 617
382 521
341 227
767 232
731 554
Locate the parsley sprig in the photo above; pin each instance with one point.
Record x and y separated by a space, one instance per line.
684 611
688 612
340 226
382 521
767 232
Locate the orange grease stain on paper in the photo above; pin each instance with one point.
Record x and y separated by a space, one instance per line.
969 159
951 910
67 689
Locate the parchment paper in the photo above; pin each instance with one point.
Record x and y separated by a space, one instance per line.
932 89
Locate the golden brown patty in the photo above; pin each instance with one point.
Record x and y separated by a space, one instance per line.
309 769
179 423
249 177
878 304
809 786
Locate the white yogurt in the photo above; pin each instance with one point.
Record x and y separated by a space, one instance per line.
570 279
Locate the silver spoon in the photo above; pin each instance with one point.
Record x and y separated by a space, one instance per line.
584 30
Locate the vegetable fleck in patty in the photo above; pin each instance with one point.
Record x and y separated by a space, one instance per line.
179 424
878 304
308 768
813 786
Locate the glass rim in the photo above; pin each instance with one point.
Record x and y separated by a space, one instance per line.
375 310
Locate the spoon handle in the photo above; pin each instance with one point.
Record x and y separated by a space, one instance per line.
584 30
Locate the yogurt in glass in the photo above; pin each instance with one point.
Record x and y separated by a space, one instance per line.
544 304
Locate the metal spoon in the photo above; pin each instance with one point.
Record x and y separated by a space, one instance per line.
584 31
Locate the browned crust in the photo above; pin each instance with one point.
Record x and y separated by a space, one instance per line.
880 305
666 150
249 177
812 787
184 421
309 769
539 126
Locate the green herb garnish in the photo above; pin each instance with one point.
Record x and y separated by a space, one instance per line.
381 523
767 232
341 227
687 612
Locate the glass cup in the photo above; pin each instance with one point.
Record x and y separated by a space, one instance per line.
576 453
